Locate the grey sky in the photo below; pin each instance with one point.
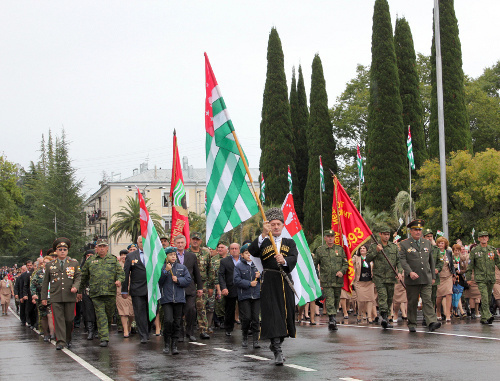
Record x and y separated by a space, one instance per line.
121 75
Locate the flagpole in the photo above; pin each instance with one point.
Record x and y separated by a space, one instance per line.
359 187
409 167
387 259
321 203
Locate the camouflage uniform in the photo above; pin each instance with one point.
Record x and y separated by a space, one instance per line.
36 289
331 260
202 304
101 275
216 305
383 276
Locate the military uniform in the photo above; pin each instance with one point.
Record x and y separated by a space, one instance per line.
483 261
383 276
207 277
416 256
62 278
216 305
331 260
36 289
101 273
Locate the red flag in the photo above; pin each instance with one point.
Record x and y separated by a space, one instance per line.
348 224
180 223
41 253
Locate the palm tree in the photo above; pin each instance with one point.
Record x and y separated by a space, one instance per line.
376 221
401 207
128 220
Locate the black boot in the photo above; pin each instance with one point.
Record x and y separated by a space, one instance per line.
385 323
278 354
472 313
166 349
244 340
256 343
175 351
332 323
90 327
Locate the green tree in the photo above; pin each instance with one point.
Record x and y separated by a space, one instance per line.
456 122
473 184
320 142
490 80
386 164
424 68
11 200
127 220
409 89
276 139
300 117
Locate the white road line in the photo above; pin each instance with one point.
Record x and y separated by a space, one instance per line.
223 349
300 368
257 357
195 343
77 358
432 333
349 379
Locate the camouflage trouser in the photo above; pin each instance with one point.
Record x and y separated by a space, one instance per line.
211 303
385 292
332 296
42 310
104 309
201 309
486 289
220 307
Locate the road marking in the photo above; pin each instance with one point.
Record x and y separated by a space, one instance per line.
77 358
195 343
223 349
257 357
432 333
349 379
300 367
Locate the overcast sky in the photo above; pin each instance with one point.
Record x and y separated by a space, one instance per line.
120 75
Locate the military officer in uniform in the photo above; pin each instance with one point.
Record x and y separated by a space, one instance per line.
383 275
64 276
331 261
103 273
416 259
482 260
205 267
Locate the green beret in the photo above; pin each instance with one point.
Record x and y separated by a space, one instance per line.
170 249
132 245
244 248
61 242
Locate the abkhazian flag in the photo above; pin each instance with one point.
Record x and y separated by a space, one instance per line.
154 256
359 161
410 150
290 180
229 199
262 189
321 175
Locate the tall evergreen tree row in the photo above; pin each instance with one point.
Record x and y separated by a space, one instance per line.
409 89
456 122
276 139
320 142
386 166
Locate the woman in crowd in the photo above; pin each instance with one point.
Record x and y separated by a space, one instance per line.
124 306
460 269
363 285
447 277
6 291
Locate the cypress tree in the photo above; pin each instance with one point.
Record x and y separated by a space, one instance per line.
276 139
300 116
386 165
409 89
320 142
456 122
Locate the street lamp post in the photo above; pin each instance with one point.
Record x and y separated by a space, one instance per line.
55 217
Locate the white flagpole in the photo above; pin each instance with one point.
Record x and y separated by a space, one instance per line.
321 202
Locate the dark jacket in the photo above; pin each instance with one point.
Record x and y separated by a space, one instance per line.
135 283
191 262
226 276
174 292
243 275
18 286
24 286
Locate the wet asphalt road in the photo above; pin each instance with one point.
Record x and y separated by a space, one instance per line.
463 350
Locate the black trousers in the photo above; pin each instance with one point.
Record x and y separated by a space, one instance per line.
140 304
88 311
31 317
229 312
249 315
172 316
22 311
189 312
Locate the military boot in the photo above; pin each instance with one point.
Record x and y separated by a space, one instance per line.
166 349
244 340
175 351
385 323
278 354
256 343
332 323
90 327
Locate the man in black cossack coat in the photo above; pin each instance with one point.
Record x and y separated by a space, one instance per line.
277 297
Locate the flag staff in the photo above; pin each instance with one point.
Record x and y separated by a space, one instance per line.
270 234
321 202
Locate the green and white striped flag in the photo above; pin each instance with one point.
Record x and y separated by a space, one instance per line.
229 199
179 193
154 256
410 150
359 161
321 175
262 189
290 184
